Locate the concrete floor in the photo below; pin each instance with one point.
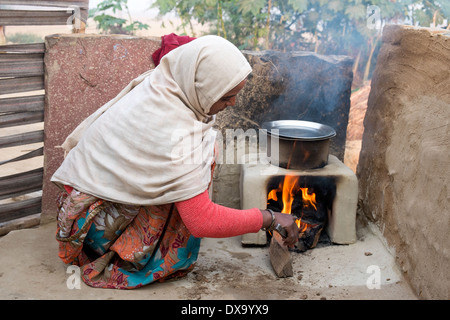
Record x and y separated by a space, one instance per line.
30 269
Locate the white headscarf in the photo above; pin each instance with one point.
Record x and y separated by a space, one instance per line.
153 143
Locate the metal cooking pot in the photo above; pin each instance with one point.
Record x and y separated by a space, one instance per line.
301 144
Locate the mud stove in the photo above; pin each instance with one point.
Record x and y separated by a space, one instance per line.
321 199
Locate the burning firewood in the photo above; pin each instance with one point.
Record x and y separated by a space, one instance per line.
308 201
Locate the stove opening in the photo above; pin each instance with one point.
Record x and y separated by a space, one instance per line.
309 199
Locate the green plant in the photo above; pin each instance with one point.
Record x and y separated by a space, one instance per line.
111 24
322 26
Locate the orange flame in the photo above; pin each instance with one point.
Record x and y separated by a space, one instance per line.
288 193
309 199
302 226
290 189
272 195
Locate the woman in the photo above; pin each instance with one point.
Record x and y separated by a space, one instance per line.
134 201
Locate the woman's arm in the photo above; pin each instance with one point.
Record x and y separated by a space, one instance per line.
204 218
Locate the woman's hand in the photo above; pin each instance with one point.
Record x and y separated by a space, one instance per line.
287 221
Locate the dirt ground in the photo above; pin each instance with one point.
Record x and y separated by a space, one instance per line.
31 269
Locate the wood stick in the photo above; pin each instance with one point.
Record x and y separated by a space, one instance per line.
2 35
280 257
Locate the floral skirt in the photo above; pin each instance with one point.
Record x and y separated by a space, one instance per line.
123 246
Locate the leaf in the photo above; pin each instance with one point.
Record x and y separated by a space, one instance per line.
445 8
211 3
356 12
336 5
137 25
299 5
106 5
92 12
164 6
422 17
251 6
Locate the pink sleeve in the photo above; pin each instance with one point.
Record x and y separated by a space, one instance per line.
204 218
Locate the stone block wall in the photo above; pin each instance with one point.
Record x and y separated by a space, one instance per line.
82 72
404 163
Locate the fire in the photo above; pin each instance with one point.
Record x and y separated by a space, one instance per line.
288 193
272 195
289 188
302 226
309 199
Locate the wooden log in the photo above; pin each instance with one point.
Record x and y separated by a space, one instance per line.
10 57
32 17
23 48
21 67
79 26
19 209
49 3
14 85
40 13
20 223
22 139
21 118
21 183
2 35
280 257
33 103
